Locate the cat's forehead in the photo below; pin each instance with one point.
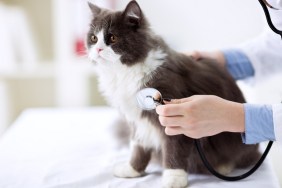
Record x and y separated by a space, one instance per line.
97 26
105 21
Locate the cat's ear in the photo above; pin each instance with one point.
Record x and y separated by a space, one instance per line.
133 14
94 9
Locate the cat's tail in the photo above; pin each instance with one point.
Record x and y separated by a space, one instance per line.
121 131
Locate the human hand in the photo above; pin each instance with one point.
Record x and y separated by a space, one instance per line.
216 55
200 116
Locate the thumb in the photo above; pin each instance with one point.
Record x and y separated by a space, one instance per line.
196 55
178 101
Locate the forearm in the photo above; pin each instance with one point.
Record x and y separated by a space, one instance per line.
255 122
235 118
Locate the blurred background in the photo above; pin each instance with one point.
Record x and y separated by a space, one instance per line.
43 61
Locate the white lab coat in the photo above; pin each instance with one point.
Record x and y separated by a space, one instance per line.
265 53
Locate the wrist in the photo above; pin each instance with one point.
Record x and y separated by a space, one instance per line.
219 56
237 118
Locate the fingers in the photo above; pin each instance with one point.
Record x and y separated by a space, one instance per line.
174 121
172 115
216 55
196 55
169 110
173 107
171 131
179 101
173 124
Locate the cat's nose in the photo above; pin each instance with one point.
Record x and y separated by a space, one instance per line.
99 50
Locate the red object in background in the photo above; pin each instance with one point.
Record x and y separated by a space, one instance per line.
80 49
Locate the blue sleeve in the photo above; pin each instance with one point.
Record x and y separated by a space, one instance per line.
238 64
259 125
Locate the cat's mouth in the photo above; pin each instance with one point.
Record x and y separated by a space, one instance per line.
104 60
98 58
103 56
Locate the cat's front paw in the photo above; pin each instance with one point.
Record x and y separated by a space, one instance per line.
175 178
126 171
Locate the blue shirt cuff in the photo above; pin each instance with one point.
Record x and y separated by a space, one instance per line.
259 125
238 64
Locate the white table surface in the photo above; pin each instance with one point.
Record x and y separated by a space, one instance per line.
74 148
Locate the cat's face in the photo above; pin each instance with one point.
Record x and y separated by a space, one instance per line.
118 37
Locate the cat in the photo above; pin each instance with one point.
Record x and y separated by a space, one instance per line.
128 57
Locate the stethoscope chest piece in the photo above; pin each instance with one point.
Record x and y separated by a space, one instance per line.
149 98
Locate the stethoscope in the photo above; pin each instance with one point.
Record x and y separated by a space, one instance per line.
150 98
264 4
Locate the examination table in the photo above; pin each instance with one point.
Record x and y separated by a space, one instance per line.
75 148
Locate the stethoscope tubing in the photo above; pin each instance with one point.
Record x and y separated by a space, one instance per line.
231 178
269 145
267 15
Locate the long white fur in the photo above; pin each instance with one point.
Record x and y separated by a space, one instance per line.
125 170
120 83
177 178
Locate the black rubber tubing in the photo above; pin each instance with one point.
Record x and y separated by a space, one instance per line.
267 15
231 178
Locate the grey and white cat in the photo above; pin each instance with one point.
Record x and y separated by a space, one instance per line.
128 56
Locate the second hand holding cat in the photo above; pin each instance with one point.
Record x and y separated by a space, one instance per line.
200 116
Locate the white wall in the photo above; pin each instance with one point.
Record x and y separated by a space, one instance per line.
203 24
4 107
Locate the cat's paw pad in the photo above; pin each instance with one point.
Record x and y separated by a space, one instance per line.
126 171
174 178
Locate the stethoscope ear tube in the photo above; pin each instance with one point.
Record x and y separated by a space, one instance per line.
231 178
267 15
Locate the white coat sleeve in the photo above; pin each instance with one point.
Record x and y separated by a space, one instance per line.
277 121
265 54
265 51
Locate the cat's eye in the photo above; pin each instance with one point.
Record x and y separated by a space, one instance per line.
93 39
113 38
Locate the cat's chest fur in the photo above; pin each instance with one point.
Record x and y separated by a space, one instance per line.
120 83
